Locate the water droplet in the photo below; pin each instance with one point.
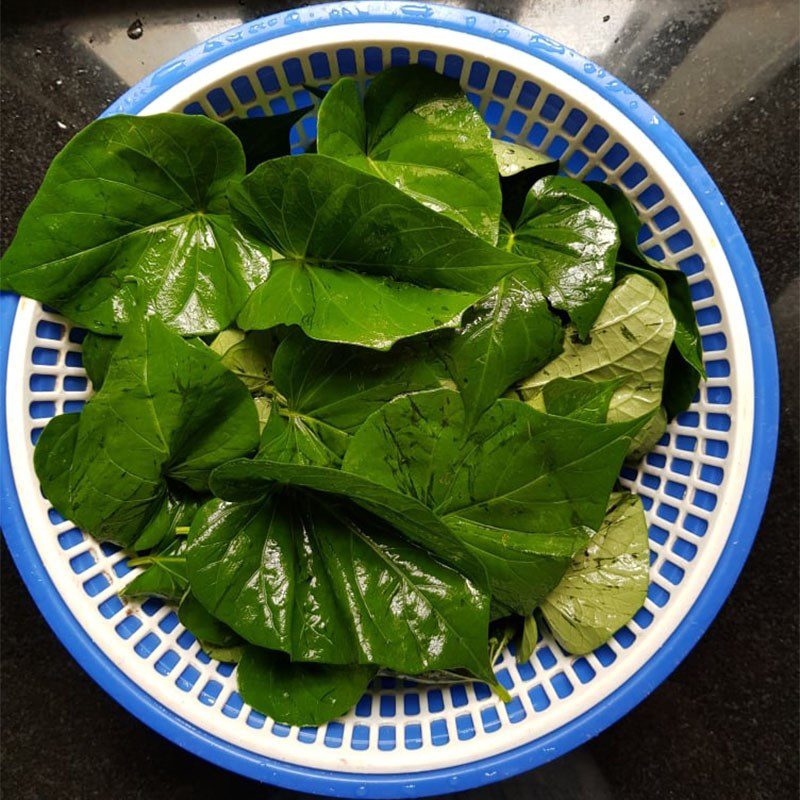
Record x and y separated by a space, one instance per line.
135 29
61 125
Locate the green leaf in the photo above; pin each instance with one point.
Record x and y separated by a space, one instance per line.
248 356
509 334
247 479
648 436
579 399
299 694
168 412
569 231
164 573
528 640
263 138
518 488
322 581
96 352
685 367
513 158
519 168
607 584
417 130
225 655
133 213
629 342
348 307
324 392
177 511
359 252
205 627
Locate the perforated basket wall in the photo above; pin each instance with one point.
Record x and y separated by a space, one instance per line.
529 90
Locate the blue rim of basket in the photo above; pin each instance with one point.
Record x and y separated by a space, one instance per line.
719 584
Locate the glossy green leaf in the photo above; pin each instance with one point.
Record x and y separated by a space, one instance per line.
606 584
246 479
299 694
569 231
324 392
628 342
348 307
263 138
417 130
359 252
506 336
176 512
204 626
527 640
684 369
133 213
164 574
96 352
168 412
248 356
519 168
322 581
579 399
519 488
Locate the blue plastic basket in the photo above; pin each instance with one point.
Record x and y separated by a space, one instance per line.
704 485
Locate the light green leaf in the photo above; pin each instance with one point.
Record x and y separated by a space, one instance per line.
528 640
606 585
248 356
133 213
684 368
628 342
417 130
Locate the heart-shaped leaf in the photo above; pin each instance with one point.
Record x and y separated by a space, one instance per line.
417 130
361 255
323 581
168 412
133 213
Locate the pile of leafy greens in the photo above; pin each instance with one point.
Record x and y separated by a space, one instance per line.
359 411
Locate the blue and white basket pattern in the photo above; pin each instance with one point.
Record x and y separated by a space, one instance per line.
703 486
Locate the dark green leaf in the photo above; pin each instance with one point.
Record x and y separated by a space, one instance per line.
203 626
177 511
685 367
417 130
607 584
247 479
168 411
299 694
96 352
518 488
580 399
509 334
519 168
263 138
324 392
164 573
568 230
359 250
133 213
322 581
